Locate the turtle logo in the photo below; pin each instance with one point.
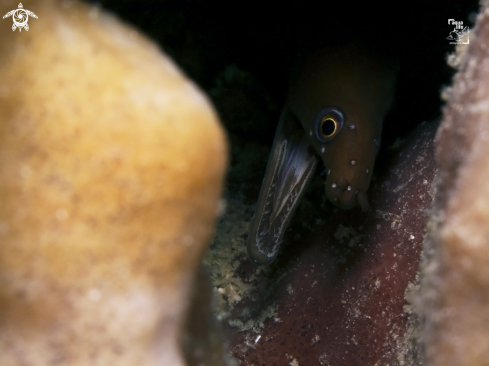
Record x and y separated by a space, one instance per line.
20 16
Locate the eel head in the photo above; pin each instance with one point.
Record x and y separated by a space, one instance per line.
336 104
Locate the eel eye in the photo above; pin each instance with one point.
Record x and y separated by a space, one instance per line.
328 124
328 127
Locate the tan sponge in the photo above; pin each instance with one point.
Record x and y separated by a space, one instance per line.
111 170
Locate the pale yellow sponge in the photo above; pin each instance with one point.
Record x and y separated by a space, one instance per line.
111 170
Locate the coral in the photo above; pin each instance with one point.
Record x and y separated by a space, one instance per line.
111 170
455 288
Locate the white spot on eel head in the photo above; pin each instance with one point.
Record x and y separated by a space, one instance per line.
367 171
353 162
322 149
352 127
333 185
348 188
310 133
329 171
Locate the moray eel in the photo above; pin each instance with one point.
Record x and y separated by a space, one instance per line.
336 103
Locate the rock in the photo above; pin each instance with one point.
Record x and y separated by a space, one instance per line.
455 287
111 170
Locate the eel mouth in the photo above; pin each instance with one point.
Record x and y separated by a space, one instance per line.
290 168
345 195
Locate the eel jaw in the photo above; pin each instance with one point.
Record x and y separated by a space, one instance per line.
290 168
345 195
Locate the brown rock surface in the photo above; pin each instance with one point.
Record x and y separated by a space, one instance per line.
455 296
111 168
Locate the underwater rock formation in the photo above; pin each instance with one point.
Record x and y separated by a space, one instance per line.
455 291
111 170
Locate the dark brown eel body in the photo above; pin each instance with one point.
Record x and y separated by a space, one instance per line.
336 103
